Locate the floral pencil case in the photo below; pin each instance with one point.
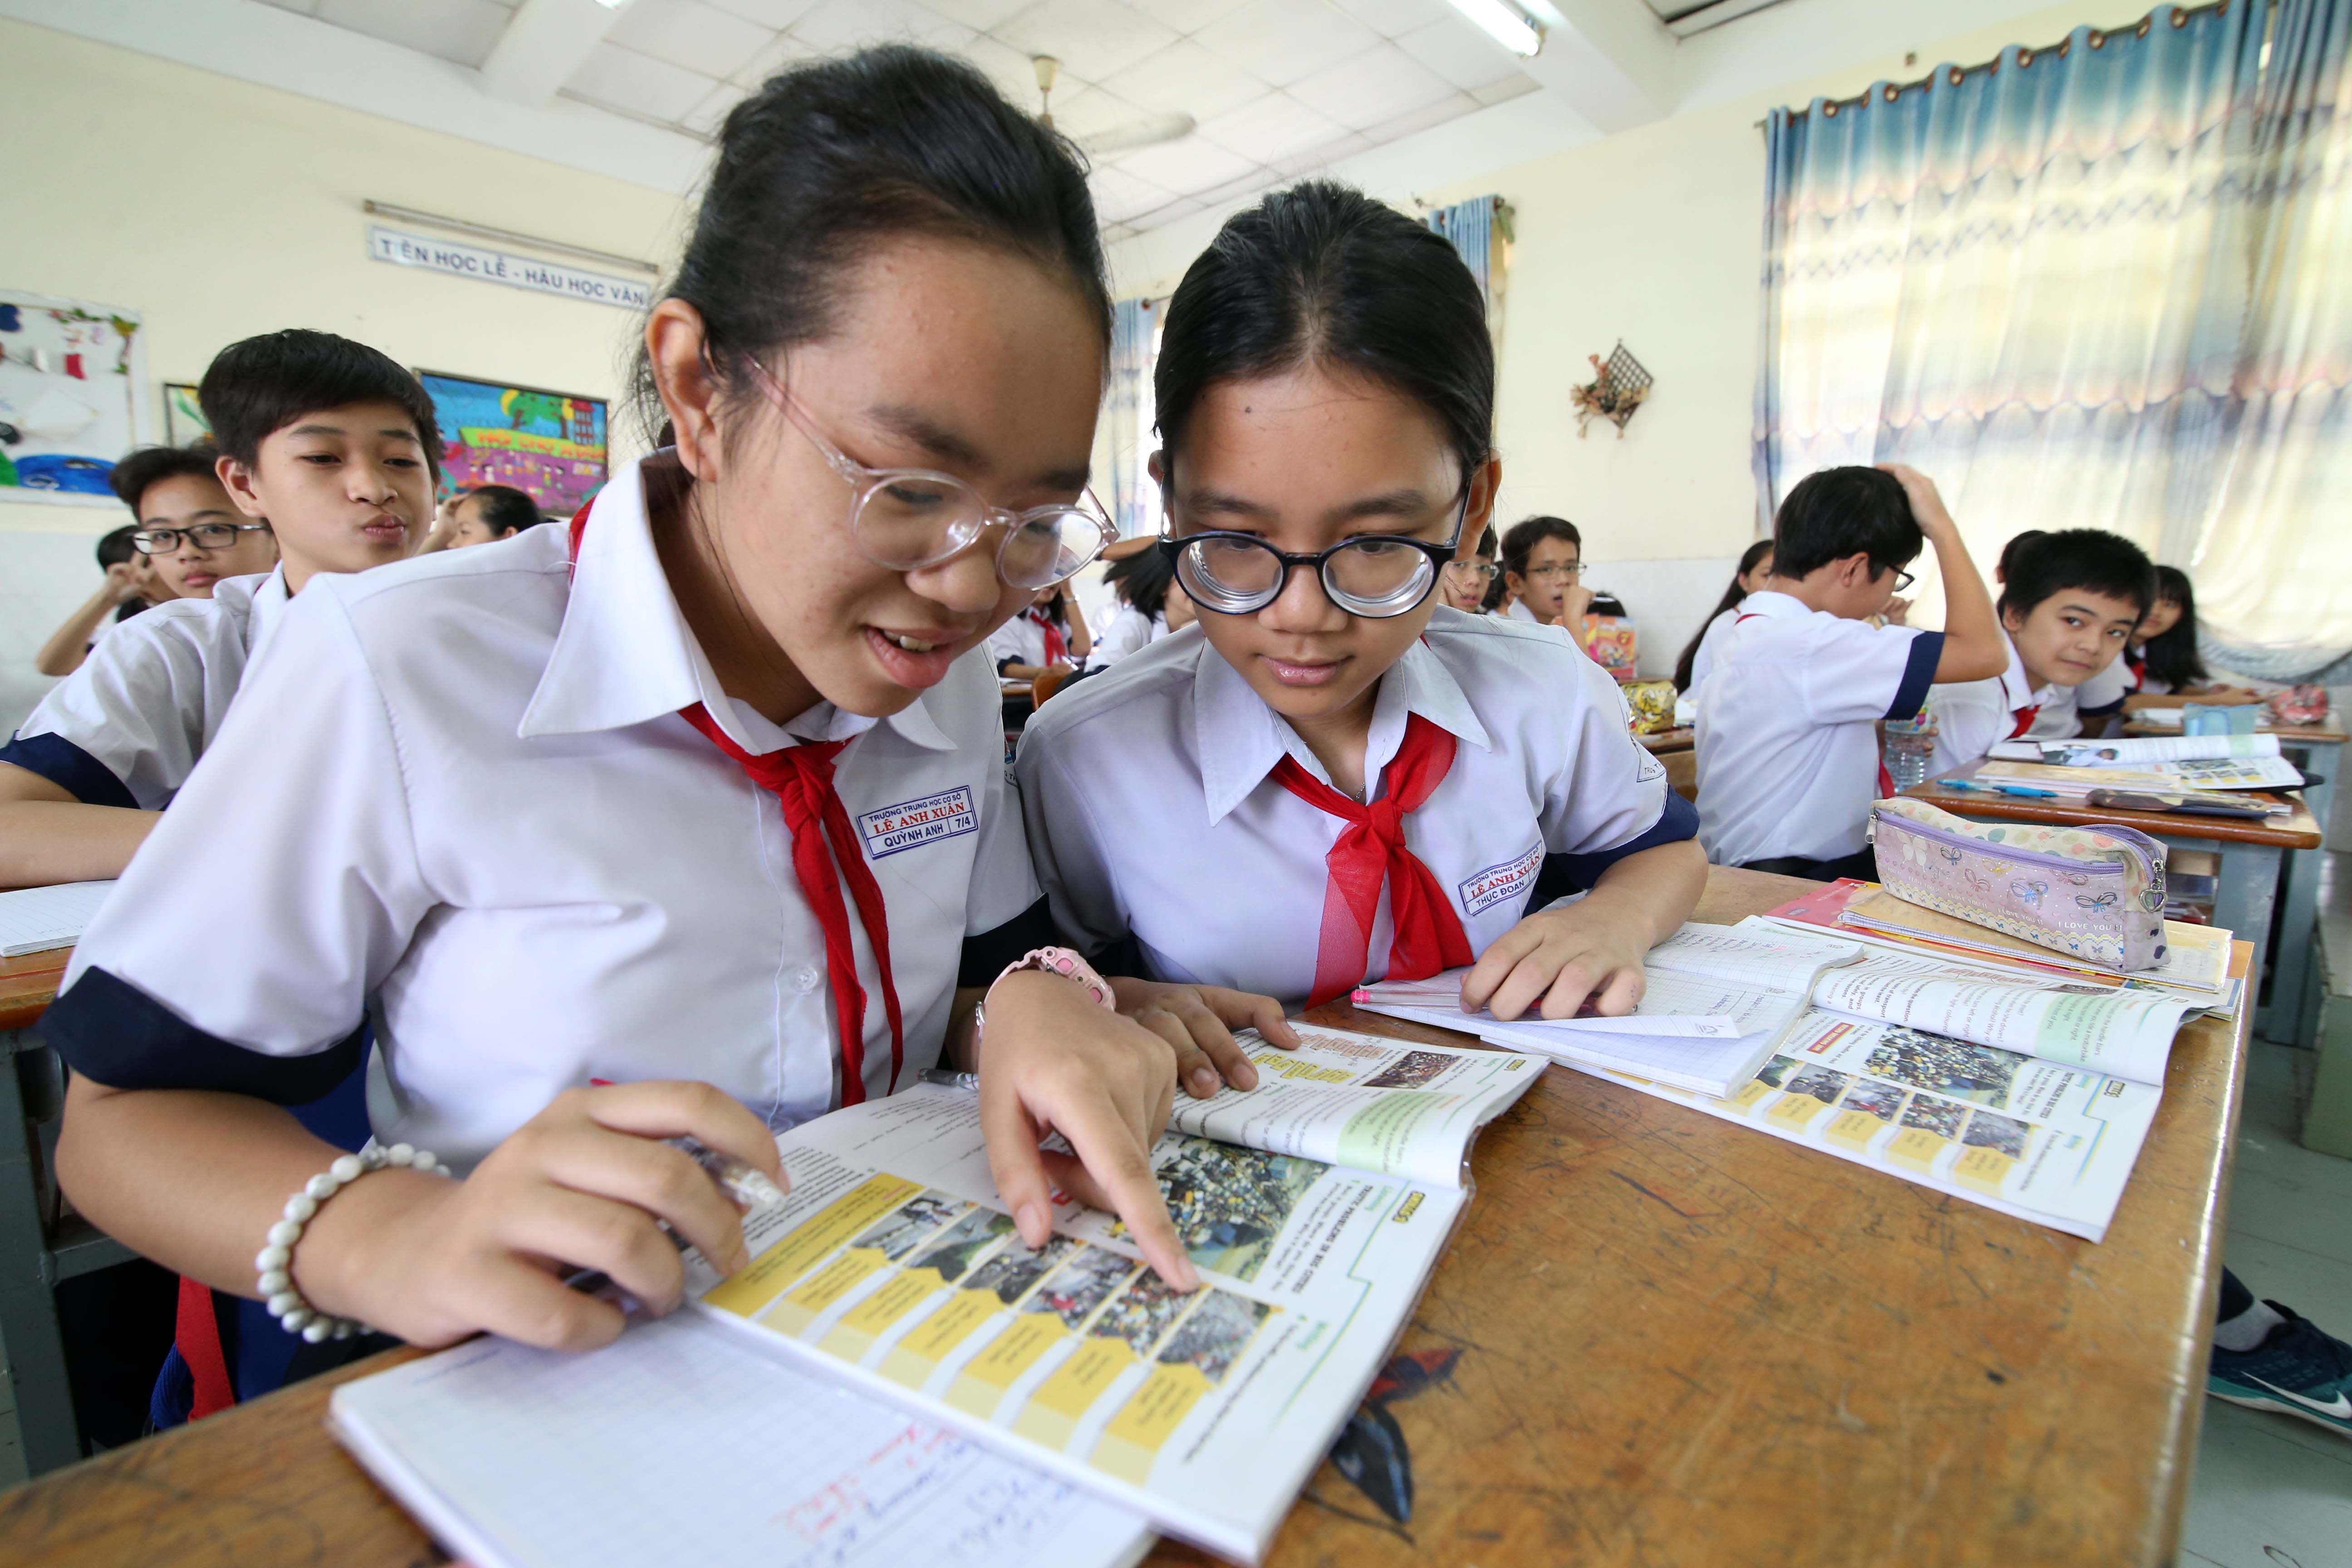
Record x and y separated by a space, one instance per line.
2095 893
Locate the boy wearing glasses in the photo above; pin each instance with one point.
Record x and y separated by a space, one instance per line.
1788 722
1465 582
327 453
1543 565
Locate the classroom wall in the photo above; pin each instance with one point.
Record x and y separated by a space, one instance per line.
1654 237
218 209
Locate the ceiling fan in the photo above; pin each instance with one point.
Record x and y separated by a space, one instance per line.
1148 131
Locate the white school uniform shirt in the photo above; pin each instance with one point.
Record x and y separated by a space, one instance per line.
126 727
1022 640
1787 743
1971 715
459 798
1153 812
1128 631
2062 716
1710 643
1517 610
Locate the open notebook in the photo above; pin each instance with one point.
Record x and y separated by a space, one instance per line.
678 1445
39 919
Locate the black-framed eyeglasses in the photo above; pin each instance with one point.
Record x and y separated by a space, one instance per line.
1903 579
1375 575
1566 571
203 536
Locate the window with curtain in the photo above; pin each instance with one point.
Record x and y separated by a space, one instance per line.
1128 416
1480 229
2087 285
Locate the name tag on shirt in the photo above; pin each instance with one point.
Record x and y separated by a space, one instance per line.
1501 884
912 823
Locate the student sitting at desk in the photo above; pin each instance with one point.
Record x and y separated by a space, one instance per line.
1048 633
1376 780
730 687
1465 584
1698 655
2067 605
132 581
335 446
1788 749
2163 656
1147 610
1543 563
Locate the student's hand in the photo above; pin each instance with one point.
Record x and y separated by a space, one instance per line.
578 1186
1053 1060
1198 1021
121 583
1927 505
1576 600
1558 959
1896 611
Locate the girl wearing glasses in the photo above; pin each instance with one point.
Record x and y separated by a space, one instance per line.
772 866
1375 781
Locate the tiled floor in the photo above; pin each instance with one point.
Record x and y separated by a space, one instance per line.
2272 1491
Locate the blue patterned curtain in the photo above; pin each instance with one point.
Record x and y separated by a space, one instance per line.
2270 554
2024 279
1127 416
1470 225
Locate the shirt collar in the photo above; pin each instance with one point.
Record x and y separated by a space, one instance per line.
1772 603
1239 739
2017 687
624 654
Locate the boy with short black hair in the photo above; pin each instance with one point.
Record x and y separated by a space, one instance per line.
2068 604
187 525
1788 719
483 515
337 448
1543 560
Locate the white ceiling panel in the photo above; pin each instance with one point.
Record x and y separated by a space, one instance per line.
786 50
704 118
300 7
689 33
980 16
1317 158
1452 107
1394 18
767 13
1190 164
461 31
1014 74
1372 88
1271 129
1185 79
1185 16
836 25
639 83
1092 38
1460 53
1503 92
1120 195
1280 41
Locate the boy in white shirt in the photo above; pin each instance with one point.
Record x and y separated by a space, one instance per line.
1787 719
2068 604
336 446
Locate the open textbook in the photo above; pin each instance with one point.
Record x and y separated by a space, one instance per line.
1315 1206
2078 772
1716 1003
677 1445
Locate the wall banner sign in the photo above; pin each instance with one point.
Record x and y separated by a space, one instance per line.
403 249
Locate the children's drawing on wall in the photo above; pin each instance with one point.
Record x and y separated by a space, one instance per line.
550 444
183 416
71 373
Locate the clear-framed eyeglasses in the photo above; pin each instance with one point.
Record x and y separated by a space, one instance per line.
1375 575
203 536
1472 573
906 519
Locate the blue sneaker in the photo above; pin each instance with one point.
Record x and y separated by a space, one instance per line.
2297 1370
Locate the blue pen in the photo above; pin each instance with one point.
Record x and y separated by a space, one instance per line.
2000 789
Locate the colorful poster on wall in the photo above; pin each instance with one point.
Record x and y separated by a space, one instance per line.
183 416
71 376
549 444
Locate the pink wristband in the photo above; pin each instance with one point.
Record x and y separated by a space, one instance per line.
1063 961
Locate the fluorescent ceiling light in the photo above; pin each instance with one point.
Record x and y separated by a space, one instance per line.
1503 24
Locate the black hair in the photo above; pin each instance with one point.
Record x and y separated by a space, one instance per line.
2009 551
1496 588
504 510
2088 558
1142 579
830 156
114 547
2172 657
1837 512
1731 599
1322 275
1529 532
152 464
1489 549
255 388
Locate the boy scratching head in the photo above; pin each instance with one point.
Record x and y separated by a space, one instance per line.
1841 541
189 531
334 443
2069 601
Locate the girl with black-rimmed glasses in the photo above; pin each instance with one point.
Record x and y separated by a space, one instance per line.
1337 777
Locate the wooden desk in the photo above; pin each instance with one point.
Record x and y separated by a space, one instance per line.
1678 740
2252 854
1679 1343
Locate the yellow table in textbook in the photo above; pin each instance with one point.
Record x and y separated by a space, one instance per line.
1658 1340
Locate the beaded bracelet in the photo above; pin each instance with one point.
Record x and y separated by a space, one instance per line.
275 1261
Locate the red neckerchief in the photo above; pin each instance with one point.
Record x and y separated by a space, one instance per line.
801 778
1058 647
1370 850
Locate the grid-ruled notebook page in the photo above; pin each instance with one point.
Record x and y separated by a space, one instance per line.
35 920
674 1446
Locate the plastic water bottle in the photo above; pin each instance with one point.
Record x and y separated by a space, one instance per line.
1910 749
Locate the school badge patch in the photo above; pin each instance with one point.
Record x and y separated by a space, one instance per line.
912 823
